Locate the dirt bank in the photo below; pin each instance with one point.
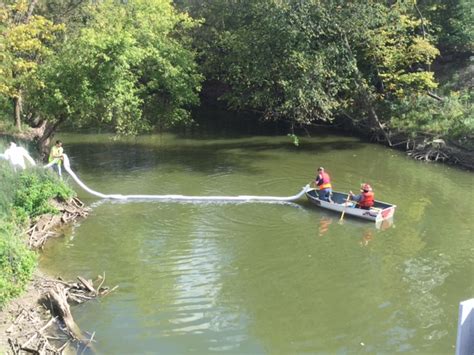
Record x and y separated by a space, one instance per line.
40 320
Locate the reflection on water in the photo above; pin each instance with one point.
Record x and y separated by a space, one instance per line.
367 237
324 223
266 278
366 229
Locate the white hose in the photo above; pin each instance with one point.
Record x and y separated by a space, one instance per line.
241 198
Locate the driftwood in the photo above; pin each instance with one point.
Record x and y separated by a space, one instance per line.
42 229
36 330
58 304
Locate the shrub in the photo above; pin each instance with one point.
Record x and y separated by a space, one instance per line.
33 191
23 195
7 182
17 263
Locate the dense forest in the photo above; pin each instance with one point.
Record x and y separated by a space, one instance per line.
397 72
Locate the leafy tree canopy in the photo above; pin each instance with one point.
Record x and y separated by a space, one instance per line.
310 60
26 41
129 66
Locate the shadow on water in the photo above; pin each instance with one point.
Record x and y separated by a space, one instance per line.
215 123
197 157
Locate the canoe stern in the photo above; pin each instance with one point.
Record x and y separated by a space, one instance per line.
386 213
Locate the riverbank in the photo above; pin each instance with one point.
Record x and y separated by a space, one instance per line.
27 325
430 149
35 206
27 322
40 320
423 148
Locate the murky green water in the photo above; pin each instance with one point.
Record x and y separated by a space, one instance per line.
266 278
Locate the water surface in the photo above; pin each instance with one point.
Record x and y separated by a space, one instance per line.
266 278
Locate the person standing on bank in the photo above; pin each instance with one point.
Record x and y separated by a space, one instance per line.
56 157
323 182
365 199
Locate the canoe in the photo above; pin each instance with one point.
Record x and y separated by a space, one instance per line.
379 212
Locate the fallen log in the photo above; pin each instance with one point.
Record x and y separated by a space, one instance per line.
59 305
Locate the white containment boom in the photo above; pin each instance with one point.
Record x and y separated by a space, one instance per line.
240 198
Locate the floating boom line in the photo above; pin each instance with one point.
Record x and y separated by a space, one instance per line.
240 198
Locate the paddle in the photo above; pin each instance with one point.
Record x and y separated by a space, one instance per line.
344 209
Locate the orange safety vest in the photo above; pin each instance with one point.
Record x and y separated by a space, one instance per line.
326 181
367 200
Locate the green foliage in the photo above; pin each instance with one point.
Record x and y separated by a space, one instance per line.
391 49
23 195
7 183
452 22
132 65
309 60
453 118
129 66
279 58
33 192
294 138
25 42
17 263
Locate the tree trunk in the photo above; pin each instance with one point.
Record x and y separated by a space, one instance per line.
31 8
17 110
48 132
374 119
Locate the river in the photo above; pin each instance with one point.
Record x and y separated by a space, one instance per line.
258 278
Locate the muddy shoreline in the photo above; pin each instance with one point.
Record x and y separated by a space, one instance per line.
40 320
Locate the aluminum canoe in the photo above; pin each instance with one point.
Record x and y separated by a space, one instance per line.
379 212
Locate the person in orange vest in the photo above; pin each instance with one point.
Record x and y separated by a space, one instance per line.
365 199
323 182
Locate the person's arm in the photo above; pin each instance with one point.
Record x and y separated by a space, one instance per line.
356 198
319 180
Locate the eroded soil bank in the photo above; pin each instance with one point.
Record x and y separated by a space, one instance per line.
40 320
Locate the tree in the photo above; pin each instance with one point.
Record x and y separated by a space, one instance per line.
25 42
130 67
312 60
451 22
282 59
391 55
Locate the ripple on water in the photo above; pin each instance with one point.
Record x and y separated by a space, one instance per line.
423 276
